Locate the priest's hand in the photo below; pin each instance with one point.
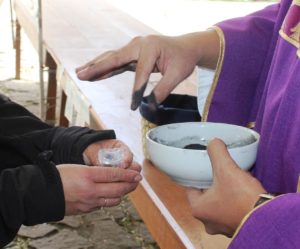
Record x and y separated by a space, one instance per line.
233 194
89 188
174 57
91 153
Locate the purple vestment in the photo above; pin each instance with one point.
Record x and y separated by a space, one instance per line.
275 225
259 82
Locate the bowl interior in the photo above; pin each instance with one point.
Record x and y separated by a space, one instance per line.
190 167
182 134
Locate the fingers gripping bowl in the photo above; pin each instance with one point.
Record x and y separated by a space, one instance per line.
179 149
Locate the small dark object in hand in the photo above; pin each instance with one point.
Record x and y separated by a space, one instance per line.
195 147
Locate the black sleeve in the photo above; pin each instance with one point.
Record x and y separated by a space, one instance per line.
29 194
30 187
23 136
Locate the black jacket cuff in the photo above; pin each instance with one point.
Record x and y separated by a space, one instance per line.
68 144
33 194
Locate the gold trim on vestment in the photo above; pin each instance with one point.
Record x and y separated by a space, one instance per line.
217 74
289 39
248 215
293 42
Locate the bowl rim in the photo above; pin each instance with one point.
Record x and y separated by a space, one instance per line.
255 133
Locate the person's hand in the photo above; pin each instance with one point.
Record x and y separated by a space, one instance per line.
89 188
90 154
233 194
174 57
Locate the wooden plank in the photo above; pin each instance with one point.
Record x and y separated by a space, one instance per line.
51 91
63 121
27 21
17 46
162 231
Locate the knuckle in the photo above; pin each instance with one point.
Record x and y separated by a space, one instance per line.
116 59
107 53
136 40
151 39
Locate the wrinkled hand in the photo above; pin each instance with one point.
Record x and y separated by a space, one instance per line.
174 57
233 194
88 188
91 152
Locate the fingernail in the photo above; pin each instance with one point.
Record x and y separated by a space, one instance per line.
81 74
138 178
137 97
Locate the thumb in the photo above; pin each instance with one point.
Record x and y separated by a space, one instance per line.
219 157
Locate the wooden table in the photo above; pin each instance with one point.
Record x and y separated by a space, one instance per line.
76 31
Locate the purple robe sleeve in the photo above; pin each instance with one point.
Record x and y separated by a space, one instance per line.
247 52
273 225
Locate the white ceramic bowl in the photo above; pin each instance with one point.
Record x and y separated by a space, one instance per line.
189 167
